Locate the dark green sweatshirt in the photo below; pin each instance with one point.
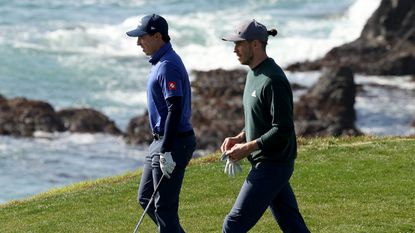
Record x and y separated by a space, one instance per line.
268 107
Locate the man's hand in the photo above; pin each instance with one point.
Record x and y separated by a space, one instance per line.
231 167
229 142
242 150
167 164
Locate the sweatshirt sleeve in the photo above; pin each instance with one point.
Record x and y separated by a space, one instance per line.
278 96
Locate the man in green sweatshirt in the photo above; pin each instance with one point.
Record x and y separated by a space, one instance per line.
268 139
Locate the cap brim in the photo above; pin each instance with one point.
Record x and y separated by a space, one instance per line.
136 33
232 38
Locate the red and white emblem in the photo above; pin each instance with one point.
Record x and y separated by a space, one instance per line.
171 86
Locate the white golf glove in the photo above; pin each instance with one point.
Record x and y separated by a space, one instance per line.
167 164
231 167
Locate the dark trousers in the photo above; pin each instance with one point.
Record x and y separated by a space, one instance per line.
267 185
164 211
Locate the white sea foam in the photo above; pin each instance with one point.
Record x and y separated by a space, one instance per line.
81 3
3 147
401 82
299 39
351 24
196 36
303 78
125 98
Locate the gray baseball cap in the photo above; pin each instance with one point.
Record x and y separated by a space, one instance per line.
248 30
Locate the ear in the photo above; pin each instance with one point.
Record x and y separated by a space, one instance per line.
256 44
158 35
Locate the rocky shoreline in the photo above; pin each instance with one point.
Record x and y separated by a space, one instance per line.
326 109
385 47
22 117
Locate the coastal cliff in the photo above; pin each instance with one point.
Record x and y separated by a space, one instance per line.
386 45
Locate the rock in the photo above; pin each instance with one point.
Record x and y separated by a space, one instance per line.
6 119
86 120
217 106
22 117
296 87
138 130
327 109
386 45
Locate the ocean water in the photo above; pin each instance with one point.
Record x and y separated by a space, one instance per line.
76 54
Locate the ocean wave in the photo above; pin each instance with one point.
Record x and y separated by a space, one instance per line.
400 82
197 34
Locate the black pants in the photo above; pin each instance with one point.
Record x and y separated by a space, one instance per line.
164 211
267 186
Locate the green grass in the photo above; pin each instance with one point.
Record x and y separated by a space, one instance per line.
357 184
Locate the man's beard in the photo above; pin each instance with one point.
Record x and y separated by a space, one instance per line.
248 60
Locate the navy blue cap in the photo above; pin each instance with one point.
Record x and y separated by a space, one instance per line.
150 24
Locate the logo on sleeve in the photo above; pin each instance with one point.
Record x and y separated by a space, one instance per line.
253 93
171 86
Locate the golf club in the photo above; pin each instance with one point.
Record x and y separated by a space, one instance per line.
148 205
